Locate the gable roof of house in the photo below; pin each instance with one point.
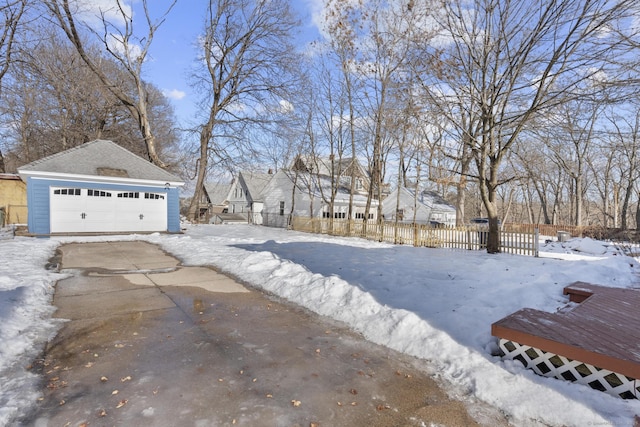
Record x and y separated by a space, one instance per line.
317 185
255 183
218 192
430 199
322 165
100 158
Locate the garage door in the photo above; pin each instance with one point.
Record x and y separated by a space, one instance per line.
93 210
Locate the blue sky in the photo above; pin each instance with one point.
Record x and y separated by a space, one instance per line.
173 49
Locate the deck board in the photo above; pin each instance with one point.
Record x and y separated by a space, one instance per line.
602 330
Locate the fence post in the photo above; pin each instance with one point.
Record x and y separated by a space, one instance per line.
536 242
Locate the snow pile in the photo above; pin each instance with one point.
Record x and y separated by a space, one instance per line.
26 290
434 304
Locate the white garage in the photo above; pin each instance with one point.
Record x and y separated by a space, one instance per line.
99 187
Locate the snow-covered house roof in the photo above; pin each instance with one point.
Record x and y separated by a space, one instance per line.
342 168
424 206
218 192
99 158
254 183
320 187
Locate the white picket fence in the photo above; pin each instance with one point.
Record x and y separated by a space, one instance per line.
469 238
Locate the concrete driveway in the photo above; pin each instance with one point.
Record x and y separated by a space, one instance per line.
152 343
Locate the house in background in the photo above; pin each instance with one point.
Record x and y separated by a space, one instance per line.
246 195
428 206
342 169
100 187
303 194
217 194
13 200
214 201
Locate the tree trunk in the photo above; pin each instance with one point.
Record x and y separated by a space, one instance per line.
625 206
638 215
579 197
194 207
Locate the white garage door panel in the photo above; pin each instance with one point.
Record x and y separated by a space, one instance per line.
66 207
99 211
139 211
87 210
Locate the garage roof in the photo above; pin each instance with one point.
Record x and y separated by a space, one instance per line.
100 158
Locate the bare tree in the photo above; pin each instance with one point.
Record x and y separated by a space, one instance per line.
12 11
622 168
541 175
513 59
120 42
573 132
55 102
247 60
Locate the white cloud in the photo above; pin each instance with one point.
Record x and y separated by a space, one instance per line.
286 106
174 94
91 11
130 50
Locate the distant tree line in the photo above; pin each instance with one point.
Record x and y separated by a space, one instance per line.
514 110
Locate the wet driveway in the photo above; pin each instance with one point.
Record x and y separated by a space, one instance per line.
152 343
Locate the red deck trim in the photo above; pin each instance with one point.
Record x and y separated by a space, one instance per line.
603 330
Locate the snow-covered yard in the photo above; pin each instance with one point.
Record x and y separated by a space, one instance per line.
434 304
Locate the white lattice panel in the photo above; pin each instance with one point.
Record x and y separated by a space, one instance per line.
555 365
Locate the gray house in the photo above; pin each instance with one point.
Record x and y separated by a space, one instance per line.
308 198
246 195
100 187
426 207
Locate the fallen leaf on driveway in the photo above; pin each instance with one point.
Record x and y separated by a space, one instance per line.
296 403
125 379
121 403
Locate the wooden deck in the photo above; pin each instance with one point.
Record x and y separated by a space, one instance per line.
601 328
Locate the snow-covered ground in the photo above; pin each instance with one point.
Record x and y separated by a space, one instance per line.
434 304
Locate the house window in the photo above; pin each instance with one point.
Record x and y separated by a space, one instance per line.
281 208
400 214
359 185
326 214
339 215
359 215
370 216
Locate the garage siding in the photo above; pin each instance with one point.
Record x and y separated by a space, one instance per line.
173 210
38 200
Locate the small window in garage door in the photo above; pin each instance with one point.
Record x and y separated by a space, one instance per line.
129 195
154 196
98 193
67 191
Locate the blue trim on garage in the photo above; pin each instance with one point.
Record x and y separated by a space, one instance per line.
39 216
173 210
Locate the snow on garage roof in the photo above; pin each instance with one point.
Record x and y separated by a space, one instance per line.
100 158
